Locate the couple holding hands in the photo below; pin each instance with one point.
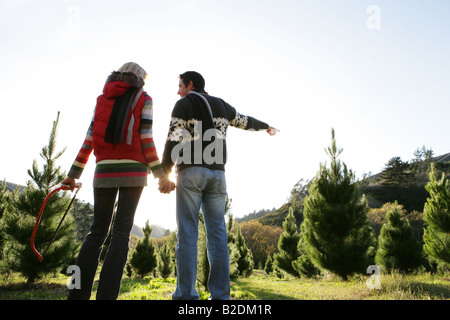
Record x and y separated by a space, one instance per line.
120 135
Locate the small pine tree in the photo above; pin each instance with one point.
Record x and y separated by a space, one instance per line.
144 259
437 216
397 246
303 265
230 224
233 250
7 200
18 224
287 245
83 213
165 264
423 159
245 261
336 233
268 266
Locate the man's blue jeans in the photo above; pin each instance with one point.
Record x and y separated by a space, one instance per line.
199 187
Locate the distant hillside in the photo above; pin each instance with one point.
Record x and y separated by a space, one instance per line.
412 197
276 217
157 231
254 215
12 186
442 159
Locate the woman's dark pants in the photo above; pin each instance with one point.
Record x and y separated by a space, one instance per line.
116 256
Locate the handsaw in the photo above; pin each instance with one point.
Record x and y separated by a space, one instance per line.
38 219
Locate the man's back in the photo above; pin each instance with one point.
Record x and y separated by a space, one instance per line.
203 141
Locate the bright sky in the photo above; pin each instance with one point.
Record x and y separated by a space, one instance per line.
375 71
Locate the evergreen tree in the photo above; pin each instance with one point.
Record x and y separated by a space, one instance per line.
268 266
7 200
397 246
437 216
165 263
261 240
230 224
303 265
395 173
144 259
83 213
245 261
287 245
423 159
336 233
233 250
18 224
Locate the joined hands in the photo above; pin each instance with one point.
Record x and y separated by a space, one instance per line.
165 185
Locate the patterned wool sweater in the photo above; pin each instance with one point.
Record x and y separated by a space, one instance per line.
193 141
120 165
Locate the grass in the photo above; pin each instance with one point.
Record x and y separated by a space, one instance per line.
259 286
393 287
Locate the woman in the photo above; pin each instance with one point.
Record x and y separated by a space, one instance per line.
120 134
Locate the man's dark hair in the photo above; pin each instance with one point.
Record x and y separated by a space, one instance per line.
196 78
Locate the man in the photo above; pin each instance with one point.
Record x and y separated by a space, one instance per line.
196 145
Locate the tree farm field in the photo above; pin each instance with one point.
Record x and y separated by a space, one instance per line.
258 286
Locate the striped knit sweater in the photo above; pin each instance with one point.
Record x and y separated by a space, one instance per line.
120 165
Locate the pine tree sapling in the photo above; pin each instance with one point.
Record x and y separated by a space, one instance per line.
143 259
437 216
51 175
165 263
233 250
7 203
336 233
268 266
234 254
397 247
287 245
18 224
437 207
303 265
245 261
241 257
423 159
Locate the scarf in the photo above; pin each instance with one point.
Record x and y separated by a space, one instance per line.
114 132
116 125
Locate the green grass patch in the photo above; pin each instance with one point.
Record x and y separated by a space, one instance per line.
259 286
394 286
